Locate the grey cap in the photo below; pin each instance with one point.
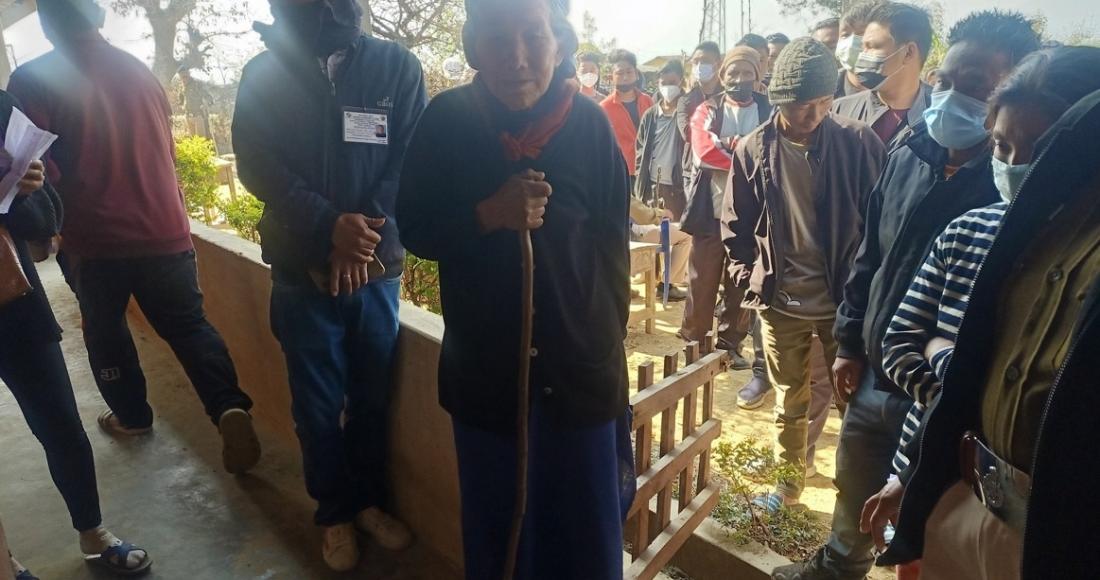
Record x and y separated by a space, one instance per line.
804 71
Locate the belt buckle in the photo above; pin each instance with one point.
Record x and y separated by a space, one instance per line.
993 495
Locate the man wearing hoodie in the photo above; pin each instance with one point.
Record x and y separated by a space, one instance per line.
322 122
126 232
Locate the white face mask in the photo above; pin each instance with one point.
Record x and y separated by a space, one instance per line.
589 79
704 72
670 92
848 49
1008 178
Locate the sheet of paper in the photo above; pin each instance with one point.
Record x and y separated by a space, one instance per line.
26 143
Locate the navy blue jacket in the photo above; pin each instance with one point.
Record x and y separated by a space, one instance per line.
289 139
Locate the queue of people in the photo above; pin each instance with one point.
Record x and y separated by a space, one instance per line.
925 258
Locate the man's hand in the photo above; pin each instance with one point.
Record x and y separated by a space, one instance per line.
848 374
354 236
346 275
519 204
881 509
936 345
34 180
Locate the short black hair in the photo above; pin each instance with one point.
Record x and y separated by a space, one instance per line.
833 22
623 55
591 57
778 38
859 14
754 41
1006 32
674 66
907 23
709 47
1050 81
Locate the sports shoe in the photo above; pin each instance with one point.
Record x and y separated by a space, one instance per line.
752 395
340 547
111 424
809 570
384 528
240 445
674 294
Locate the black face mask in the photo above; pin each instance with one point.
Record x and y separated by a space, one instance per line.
315 26
741 92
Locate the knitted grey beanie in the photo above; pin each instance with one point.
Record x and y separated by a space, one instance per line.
805 70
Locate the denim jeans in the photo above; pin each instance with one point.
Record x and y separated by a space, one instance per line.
166 289
37 376
868 440
340 357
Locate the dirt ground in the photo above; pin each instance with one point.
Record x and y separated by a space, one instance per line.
739 424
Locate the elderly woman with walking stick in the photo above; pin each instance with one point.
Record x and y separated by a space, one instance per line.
518 157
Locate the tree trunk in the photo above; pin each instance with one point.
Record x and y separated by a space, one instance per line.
165 28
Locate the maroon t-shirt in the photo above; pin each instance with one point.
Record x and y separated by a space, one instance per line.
113 162
890 123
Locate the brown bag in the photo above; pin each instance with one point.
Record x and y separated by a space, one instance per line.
13 282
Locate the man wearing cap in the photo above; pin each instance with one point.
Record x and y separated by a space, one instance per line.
322 123
808 174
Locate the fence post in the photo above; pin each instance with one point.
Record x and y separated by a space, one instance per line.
643 449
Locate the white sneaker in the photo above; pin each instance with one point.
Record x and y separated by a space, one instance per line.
384 528
340 547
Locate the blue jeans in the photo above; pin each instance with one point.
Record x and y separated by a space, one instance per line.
37 376
340 358
868 439
167 290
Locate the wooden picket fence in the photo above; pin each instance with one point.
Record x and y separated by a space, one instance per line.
683 464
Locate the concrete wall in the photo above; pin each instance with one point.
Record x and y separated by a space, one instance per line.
423 469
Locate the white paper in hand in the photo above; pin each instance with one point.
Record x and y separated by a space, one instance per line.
26 143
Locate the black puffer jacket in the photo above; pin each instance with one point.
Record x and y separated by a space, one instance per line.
911 204
1059 540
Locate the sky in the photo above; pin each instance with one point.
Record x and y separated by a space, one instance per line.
648 27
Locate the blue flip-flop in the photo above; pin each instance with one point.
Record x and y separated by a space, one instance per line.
25 575
114 559
771 503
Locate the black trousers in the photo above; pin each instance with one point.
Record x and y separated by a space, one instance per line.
37 376
167 290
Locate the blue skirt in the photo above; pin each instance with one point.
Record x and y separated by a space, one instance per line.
580 487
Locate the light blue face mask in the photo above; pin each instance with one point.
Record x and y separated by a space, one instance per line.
956 121
1008 178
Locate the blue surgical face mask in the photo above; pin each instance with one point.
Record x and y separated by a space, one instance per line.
1008 178
955 120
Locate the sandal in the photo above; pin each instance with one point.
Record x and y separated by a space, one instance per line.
25 575
110 423
115 559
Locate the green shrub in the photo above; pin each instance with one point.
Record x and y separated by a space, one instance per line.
746 470
198 176
243 215
420 285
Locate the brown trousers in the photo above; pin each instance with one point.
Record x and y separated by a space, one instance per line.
963 539
707 273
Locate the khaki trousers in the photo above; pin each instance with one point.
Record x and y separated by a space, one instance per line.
788 344
962 539
5 566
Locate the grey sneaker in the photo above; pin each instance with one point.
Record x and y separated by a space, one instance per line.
809 570
752 395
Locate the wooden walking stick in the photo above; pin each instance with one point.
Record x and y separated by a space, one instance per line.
523 405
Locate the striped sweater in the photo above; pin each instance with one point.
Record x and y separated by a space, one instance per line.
934 307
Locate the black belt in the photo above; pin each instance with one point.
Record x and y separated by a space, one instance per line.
1002 489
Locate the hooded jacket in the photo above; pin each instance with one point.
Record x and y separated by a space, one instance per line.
1066 463
845 158
707 151
911 204
288 133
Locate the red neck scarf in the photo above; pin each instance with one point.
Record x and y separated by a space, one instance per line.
531 140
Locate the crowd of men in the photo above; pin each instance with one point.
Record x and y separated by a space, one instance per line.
823 201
